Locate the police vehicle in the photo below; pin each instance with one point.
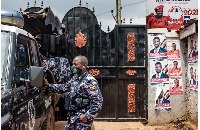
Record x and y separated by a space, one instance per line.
25 102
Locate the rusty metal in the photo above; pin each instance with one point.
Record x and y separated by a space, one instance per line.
131 46
131 98
131 72
94 72
80 40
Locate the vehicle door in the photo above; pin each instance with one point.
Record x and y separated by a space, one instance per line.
25 97
42 98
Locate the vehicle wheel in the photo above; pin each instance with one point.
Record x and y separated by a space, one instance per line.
49 121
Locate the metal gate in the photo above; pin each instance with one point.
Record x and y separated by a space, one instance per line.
117 59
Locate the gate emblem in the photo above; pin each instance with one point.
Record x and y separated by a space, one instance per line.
80 40
131 98
94 72
131 46
131 72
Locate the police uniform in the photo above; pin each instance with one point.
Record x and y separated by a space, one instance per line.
87 100
59 66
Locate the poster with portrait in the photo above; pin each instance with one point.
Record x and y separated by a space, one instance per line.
171 14
196 46
192 49
173 49
174 69
159 71
162 100
196 75
176 87
157 46
193 76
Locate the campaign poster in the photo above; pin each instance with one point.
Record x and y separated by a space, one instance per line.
157 46
170 14
162 101
159 71
176 87
193 76
174 69
192 49
196 75
173 49
196 46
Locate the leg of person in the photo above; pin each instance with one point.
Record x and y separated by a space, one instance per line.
82 125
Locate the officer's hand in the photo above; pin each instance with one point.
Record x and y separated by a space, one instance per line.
83 118
46 82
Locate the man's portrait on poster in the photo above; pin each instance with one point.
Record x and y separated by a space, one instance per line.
157 48
159 73
192 51
193 78
163 97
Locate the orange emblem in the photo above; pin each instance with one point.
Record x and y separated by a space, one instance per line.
80 40
131 46
131 72
93 88
94 72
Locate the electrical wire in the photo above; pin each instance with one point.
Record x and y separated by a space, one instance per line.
122 22
122 7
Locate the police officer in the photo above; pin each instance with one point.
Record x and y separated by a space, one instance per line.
84 99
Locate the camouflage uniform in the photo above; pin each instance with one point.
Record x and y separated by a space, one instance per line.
88 88
22 74
59 66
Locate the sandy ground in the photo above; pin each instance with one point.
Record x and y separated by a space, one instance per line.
98 125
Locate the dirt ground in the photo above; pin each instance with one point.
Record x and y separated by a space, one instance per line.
98 125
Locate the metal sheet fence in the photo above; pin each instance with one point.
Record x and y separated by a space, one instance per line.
118 59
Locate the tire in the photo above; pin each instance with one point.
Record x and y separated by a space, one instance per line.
49 121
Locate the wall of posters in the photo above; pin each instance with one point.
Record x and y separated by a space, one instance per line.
165 68
171 14
176 87
162 101
158 71
193 62
157 46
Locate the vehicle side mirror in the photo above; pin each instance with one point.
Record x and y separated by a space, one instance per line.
36 76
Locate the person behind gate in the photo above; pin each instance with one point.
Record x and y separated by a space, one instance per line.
83 98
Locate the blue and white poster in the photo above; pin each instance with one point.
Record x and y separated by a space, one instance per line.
159 71
157 46
162 101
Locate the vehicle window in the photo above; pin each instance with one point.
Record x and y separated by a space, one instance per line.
33 52
21 55
22 60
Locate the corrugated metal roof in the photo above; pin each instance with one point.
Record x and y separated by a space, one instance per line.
189 23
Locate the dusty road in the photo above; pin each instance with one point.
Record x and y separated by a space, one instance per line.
130 126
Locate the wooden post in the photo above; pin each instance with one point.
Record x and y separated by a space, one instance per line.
119 12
